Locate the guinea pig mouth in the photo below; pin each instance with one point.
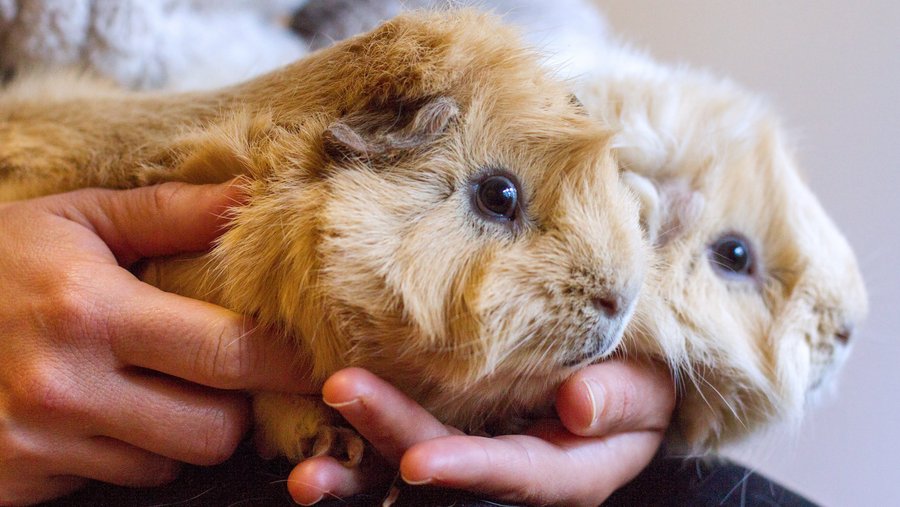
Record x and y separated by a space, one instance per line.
599 344
587 357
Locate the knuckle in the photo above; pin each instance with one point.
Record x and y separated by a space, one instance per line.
230 366
164 195
50 392
221 437
231 357
228 358
71 307
67 304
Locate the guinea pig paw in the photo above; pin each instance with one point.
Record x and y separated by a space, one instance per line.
343 444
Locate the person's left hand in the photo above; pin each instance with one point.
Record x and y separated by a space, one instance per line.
613 417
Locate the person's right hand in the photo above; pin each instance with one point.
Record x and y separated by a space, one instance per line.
102 376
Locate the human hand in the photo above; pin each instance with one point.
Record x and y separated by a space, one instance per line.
102 376
613 417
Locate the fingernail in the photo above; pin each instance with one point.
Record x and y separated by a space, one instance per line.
420 482
593 392
340 404
317 500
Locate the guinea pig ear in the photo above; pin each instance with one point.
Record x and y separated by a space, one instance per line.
575 101
375 134
682 207
342 141
668 208
429 122
648 196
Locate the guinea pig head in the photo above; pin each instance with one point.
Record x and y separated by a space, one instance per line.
505 253
756 294
470 242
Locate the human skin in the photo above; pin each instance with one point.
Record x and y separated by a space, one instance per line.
106 378
612 418
102 376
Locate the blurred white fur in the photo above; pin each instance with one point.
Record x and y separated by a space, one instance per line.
150 44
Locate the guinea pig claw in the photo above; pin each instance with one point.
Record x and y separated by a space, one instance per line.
343 444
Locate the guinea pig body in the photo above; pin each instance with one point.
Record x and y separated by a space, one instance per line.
423 201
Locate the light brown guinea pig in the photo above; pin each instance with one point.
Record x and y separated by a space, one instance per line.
755 294
424 202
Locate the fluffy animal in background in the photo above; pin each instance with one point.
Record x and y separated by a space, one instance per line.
758 293
182 45
159 44
755 293
424 202
567 32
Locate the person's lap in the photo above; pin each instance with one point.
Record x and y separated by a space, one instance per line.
246 479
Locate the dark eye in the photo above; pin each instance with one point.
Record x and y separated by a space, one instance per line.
731 255
497 197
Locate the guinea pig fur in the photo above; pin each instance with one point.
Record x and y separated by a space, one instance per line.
424 201
752 339
712 168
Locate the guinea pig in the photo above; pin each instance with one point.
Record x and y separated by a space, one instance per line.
424 201
756 294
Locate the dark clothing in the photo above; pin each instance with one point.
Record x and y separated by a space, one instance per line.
247 480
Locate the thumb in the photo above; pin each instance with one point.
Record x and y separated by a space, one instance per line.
165 219
617 396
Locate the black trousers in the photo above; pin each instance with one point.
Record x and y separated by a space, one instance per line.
246 480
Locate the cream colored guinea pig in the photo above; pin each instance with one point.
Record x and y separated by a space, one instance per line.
756 294
424 202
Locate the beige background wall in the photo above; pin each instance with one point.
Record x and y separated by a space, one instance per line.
832 68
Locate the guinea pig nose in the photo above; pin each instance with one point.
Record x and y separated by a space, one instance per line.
606 304
843 334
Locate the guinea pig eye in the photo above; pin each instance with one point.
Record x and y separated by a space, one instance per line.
497 197
731 255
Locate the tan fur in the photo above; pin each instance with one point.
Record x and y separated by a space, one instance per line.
748 351
359 241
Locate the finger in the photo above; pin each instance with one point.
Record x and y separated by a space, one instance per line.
116 462
616 396
323 477
25 491
152 221
201 342
386 417
164 416
573 471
